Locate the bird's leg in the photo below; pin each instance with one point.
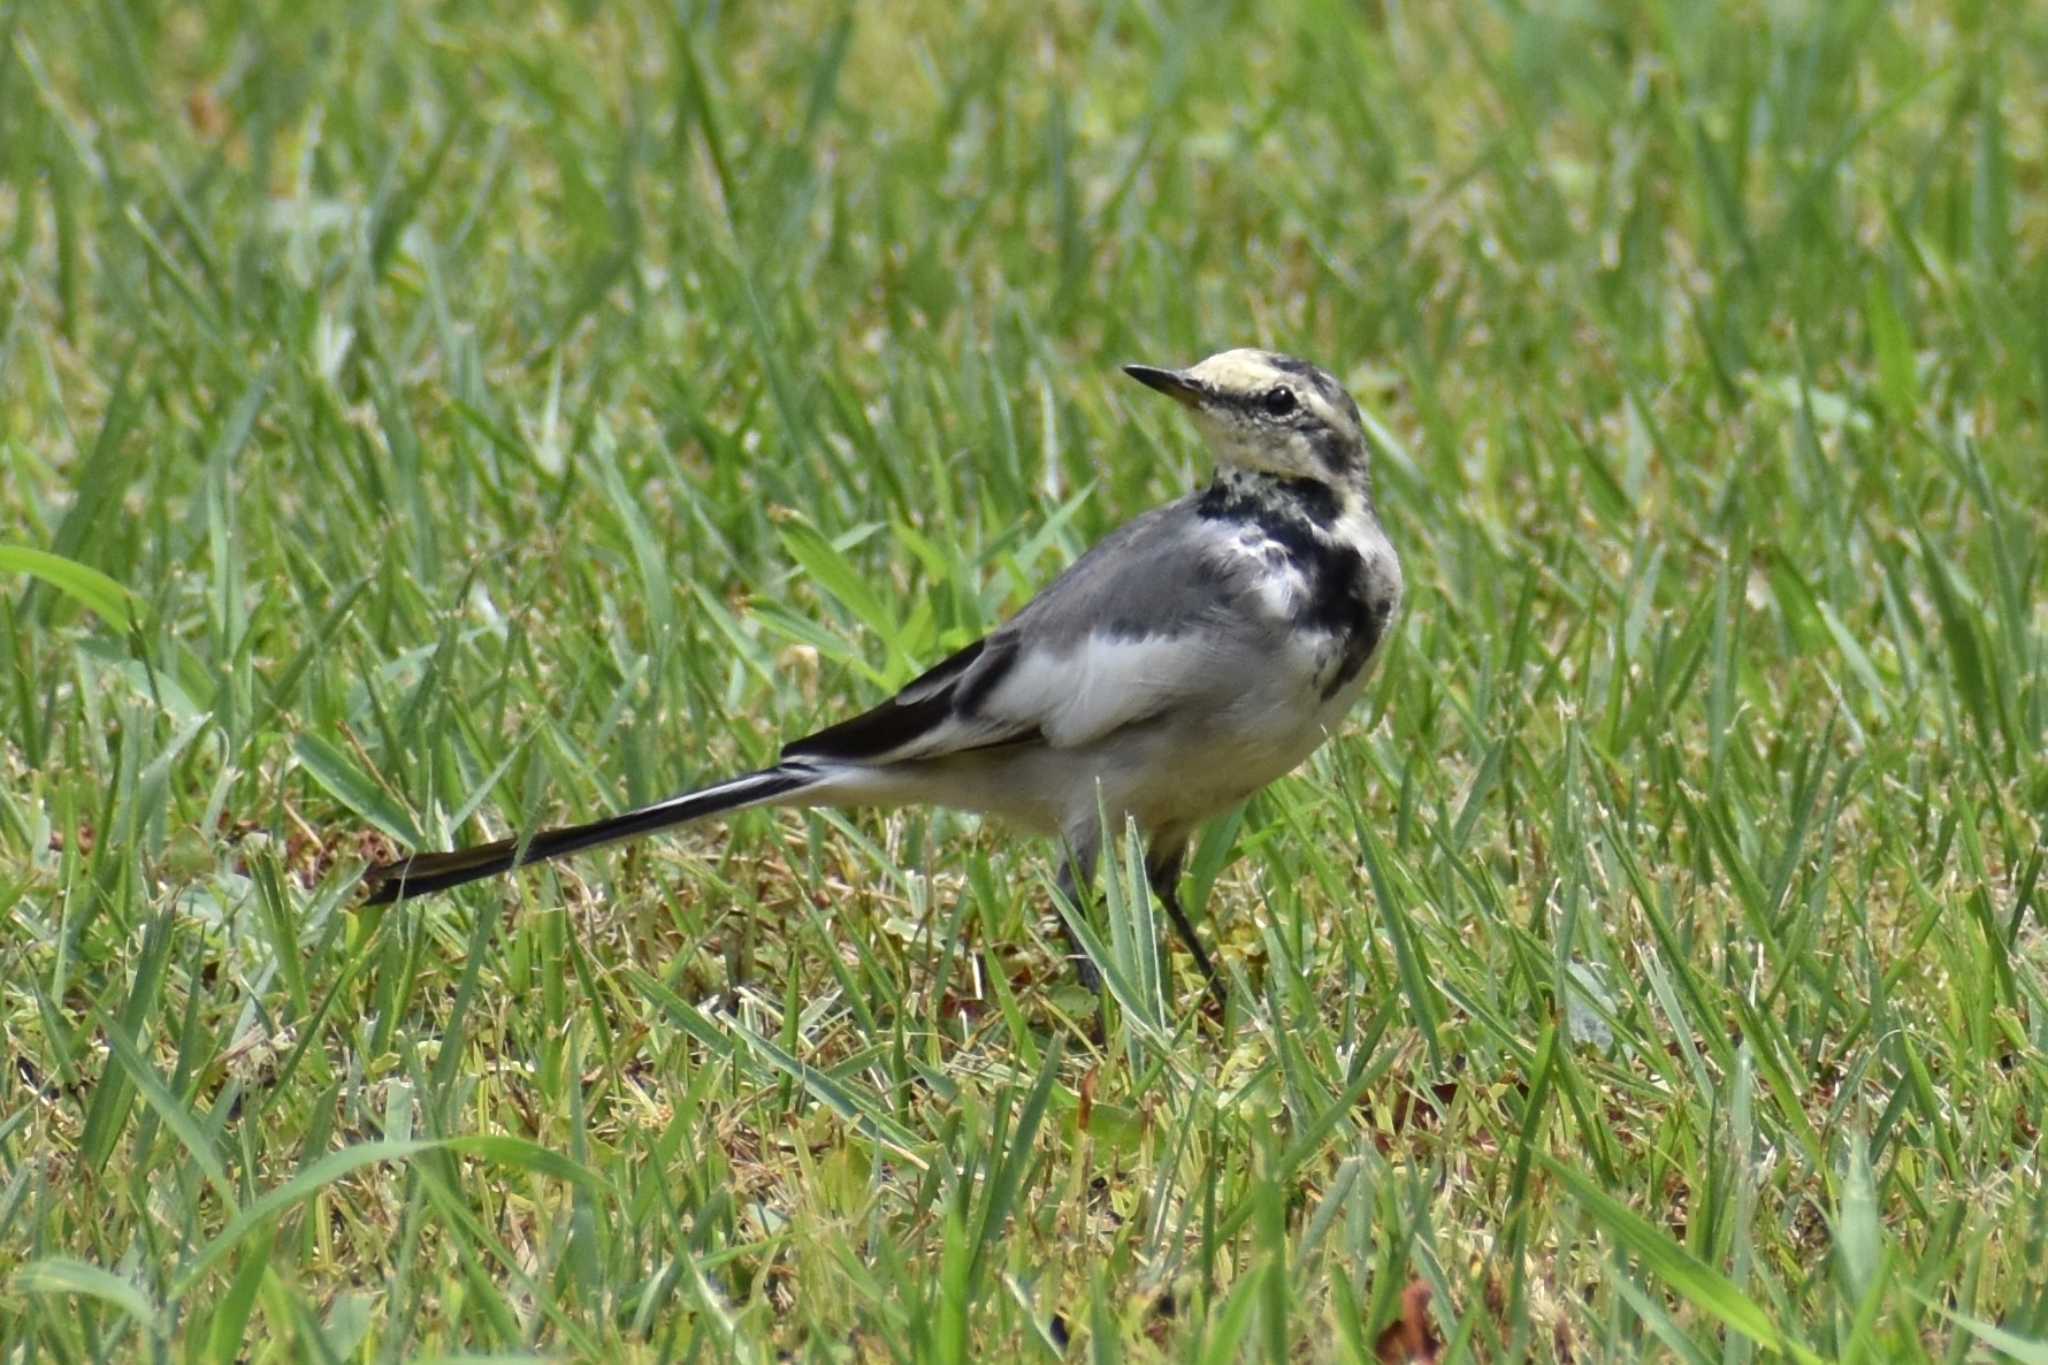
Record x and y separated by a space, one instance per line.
1162 870
1077 875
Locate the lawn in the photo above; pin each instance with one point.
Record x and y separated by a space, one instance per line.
420 424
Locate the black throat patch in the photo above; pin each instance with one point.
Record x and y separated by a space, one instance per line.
1300 516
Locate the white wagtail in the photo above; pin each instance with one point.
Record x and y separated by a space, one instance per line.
1179 666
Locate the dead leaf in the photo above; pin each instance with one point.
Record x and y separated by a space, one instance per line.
1411 1337
84 838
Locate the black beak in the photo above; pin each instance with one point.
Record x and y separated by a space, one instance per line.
1172 383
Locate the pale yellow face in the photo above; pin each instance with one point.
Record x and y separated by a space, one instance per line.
1270 413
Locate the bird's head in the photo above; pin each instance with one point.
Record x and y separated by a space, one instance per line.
1271 414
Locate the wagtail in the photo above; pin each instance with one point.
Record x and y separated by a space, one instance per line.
1183 663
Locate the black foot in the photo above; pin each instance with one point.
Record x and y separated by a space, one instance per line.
1087 973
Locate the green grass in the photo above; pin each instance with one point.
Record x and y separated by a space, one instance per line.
446 424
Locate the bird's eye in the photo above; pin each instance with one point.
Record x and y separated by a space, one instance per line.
1278 402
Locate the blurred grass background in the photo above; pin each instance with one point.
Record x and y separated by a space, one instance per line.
447 420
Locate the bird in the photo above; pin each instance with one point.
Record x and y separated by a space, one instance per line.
1190 658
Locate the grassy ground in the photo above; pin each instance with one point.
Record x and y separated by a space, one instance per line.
496 421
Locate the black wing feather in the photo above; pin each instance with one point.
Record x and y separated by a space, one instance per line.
935 696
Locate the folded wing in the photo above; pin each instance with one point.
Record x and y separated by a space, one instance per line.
1089 656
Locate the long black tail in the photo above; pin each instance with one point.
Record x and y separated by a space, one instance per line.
424 873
